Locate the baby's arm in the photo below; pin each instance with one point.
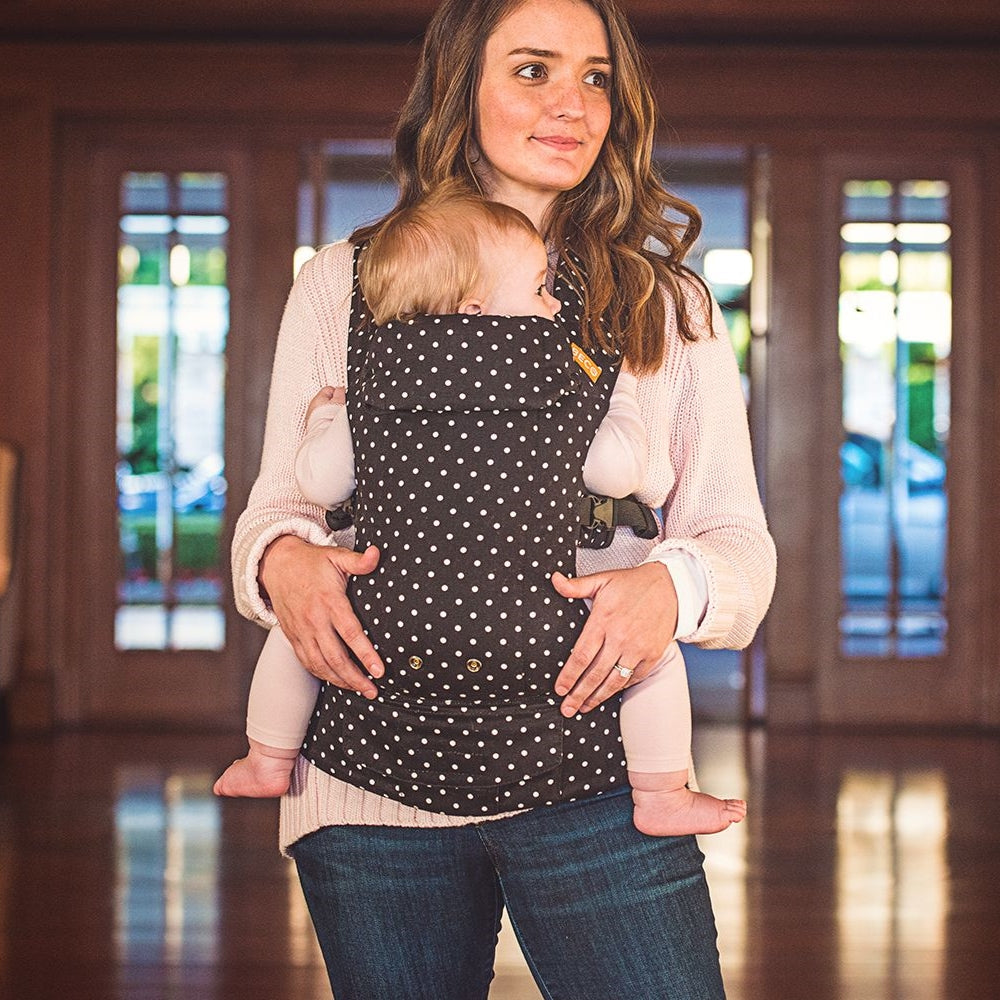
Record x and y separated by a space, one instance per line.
616 467
324 463
616 462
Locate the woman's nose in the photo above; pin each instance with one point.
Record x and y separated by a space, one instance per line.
568 101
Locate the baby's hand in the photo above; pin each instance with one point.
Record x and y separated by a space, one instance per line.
327 394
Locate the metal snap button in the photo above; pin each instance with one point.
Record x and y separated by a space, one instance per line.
474 666
416 663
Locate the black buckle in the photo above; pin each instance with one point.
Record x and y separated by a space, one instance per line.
602 512
341 517
597 522
650 527
601 516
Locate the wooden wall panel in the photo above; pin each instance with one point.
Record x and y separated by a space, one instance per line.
25 359
990 395
795 376
797 100
340 87
655 20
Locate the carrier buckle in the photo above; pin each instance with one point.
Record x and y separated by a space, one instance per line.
602 512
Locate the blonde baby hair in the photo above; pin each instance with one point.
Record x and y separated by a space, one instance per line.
427 258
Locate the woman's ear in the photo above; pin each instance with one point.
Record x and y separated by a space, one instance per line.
470 307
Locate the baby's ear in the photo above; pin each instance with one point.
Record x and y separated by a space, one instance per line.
470 307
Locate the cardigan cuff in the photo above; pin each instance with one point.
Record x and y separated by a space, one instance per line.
723 590
691 589
250 601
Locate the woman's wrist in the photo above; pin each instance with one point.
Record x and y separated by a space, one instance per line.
274 558
662 580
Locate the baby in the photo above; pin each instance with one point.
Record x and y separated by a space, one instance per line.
498 268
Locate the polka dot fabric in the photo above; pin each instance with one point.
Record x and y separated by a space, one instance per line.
470 434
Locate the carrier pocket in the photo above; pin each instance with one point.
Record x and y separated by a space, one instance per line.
475 755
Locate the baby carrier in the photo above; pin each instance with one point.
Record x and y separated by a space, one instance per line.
470 435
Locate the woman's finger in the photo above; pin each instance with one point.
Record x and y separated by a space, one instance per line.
616 680
316 614
631 621
339 633
589 643
323 654
589 681
582 657
347 634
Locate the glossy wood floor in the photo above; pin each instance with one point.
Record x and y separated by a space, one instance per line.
868 869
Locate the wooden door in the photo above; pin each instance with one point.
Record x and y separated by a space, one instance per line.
900 432
174 262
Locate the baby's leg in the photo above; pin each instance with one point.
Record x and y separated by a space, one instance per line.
656 731
282 697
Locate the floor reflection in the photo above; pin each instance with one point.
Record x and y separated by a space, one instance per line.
892 883
167 829
865 870
723 758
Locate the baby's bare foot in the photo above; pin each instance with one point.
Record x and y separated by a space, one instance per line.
256 776
681 811
666 807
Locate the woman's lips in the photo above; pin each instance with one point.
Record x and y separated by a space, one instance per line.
560 142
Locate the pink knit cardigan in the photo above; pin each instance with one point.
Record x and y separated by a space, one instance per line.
699 470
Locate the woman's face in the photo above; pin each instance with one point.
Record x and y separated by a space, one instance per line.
544 103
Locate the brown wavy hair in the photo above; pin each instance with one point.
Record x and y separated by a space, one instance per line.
630 234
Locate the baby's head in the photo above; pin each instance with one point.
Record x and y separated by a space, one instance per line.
455 252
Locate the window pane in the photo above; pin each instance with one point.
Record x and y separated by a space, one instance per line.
173 319
345 185
144 193
895 341
924 200
202 192
870 200
715 183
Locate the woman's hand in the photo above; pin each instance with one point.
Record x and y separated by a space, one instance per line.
631 623
307 587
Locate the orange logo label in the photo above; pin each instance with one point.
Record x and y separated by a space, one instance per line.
592 371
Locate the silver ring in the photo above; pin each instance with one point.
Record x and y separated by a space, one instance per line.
624 672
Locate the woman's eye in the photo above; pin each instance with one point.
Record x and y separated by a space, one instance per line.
597 78
533 71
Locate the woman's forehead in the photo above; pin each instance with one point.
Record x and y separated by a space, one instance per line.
545 27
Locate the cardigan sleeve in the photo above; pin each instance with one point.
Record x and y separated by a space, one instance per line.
311 353
712 509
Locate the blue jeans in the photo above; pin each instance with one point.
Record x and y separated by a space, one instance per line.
601 911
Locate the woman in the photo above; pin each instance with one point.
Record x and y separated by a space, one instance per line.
544 105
